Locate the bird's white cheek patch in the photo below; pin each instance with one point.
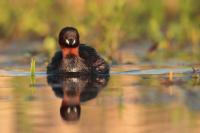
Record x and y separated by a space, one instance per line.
75 80
74 42
73 70
67 41
68 110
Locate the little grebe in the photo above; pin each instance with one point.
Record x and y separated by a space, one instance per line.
75 57
74 91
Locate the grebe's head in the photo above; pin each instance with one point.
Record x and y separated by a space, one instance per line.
69 41
70 109
70 112
69 38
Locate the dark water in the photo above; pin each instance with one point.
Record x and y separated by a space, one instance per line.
144 100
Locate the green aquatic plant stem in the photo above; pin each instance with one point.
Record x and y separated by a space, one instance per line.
32 70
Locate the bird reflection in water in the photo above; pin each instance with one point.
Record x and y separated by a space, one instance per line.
75 89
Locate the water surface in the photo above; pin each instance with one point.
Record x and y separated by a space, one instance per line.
141 99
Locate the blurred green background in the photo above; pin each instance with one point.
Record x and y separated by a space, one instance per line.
169 28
